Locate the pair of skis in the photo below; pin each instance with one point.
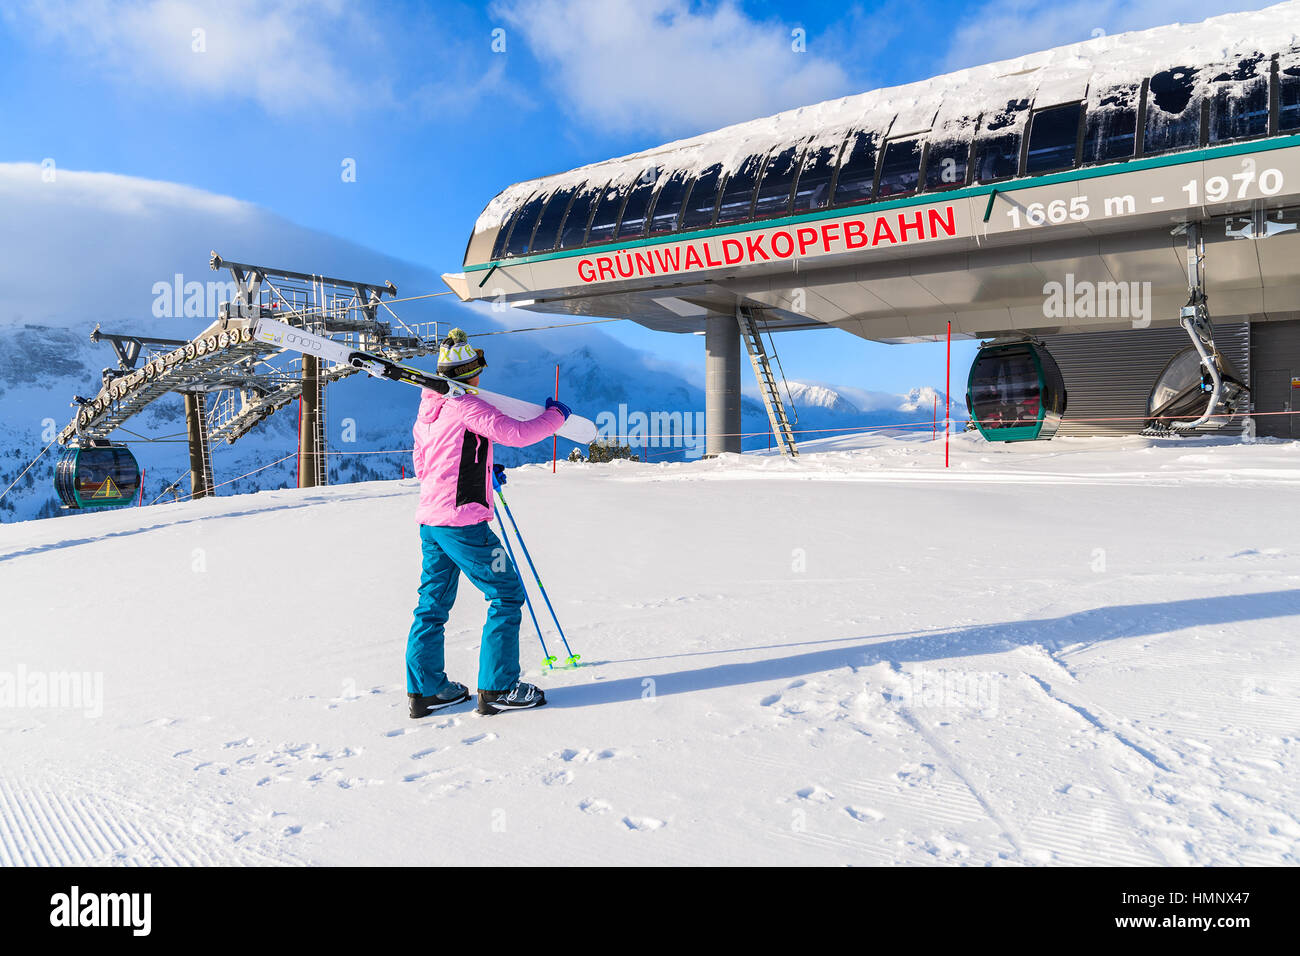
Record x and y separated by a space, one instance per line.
576 428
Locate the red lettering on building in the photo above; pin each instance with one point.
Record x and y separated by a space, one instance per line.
903 226
948 224
855 234
783 244
670 259
806 238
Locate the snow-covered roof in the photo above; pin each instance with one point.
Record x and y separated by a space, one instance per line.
951 104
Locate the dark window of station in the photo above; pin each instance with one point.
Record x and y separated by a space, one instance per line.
997 148
773 198
507 224
633 223
605 218
857 169
1111 126
945 165
1053 139
574 230
1173 112
900 170
1239 102
1288 111
522 233
813 190
528 211
703 199
737 202
548 226
668 204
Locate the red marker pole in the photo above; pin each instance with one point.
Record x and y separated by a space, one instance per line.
140 503
554 440
947 394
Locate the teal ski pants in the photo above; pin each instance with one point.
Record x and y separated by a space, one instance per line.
477 552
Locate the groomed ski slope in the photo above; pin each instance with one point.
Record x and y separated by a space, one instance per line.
1077 652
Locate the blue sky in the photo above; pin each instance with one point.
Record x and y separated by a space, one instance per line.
267 101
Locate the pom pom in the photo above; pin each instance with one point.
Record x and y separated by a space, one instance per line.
456 337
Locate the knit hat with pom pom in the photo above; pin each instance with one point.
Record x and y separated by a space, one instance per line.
458 359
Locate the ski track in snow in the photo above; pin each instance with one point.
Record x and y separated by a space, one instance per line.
1029 668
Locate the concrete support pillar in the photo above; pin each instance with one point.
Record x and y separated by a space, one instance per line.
310 453
722 384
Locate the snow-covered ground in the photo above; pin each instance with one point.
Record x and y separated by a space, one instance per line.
1081 651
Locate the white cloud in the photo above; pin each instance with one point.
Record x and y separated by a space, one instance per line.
282 54
1002 29
668 66
89 246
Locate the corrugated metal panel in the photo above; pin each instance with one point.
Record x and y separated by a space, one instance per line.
1275 361
1108 375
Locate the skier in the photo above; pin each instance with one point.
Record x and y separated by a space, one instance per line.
453 460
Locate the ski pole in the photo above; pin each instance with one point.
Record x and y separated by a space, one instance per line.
573 658
548 660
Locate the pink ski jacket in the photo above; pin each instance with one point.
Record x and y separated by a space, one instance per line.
453 454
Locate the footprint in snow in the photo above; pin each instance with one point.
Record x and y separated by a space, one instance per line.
569 755
400 732
244 742
864 814
590 805
560 777
814 793
640 824
420 754
769 700
478 738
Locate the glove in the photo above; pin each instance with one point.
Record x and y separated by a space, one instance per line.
499 475
565 410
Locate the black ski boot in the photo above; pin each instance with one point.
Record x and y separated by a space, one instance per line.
520 697
453 693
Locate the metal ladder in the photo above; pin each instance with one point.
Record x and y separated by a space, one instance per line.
205 448
749 334
322 432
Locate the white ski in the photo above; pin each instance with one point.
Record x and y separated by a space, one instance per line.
578 429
